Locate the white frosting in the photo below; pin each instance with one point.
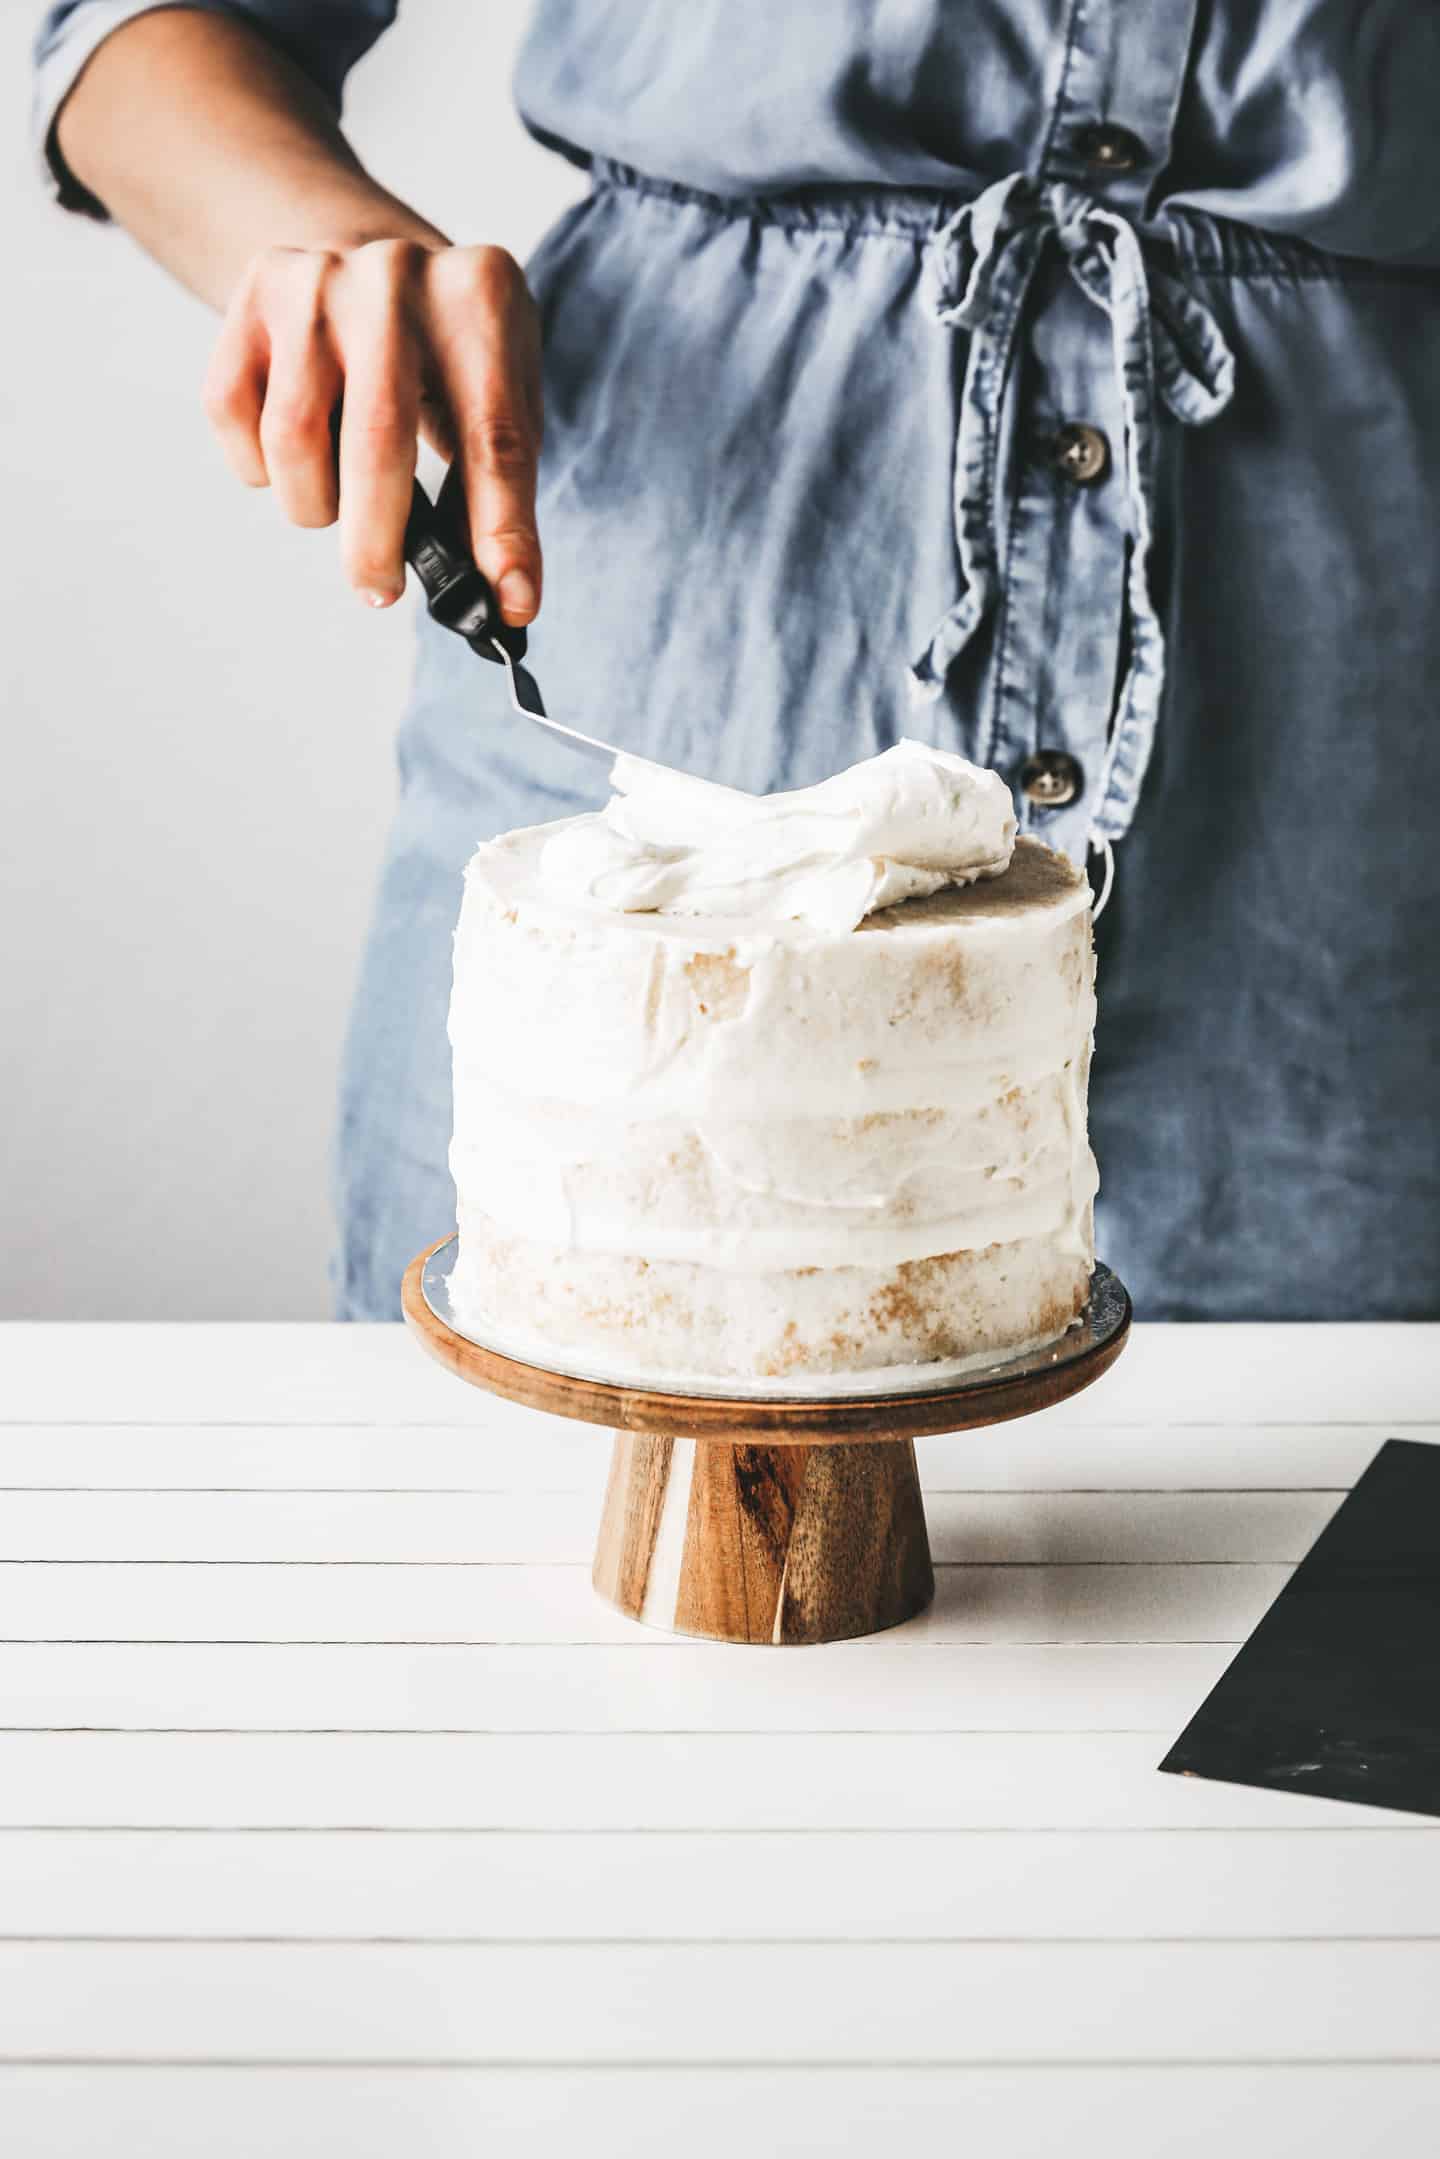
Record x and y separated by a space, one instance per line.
751 1097
899 826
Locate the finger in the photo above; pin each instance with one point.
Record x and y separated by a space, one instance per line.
379 421
486 348
530 372
300 394
234 395
436 427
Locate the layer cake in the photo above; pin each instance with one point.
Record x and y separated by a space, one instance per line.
774 1089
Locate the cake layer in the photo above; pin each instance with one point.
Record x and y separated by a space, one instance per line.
657 1319
941 1002
785 1191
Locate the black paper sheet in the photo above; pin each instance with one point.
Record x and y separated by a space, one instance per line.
1337 1692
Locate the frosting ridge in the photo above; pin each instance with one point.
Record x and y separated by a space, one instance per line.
895 827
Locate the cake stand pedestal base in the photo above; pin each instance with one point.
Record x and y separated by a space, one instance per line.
749 1543
777 1520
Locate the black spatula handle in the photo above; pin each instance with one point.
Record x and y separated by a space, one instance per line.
458 594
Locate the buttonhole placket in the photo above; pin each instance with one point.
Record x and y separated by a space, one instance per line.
1166 346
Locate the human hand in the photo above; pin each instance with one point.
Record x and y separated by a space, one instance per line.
410 340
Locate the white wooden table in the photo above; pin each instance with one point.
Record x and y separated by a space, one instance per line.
339 1817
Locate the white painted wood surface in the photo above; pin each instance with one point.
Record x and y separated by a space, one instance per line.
337 1816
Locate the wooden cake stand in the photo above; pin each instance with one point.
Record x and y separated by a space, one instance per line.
775 1520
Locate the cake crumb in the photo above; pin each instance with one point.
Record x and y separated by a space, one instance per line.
721 985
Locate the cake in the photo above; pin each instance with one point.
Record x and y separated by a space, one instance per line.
779 1090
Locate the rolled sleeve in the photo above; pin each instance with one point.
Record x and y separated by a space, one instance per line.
324 37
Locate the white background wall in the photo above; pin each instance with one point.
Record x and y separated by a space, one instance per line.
197 719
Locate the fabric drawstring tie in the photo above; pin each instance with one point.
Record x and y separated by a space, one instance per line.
978 271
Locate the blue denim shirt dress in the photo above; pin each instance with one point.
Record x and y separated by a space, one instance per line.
1055 380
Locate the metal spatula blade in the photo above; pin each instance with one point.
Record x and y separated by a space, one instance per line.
525 697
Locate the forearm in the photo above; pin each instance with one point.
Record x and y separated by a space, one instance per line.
209 146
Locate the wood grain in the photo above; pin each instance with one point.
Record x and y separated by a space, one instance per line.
750 1543
634 1496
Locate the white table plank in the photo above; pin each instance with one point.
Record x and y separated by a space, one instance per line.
499 1450
504 1527
222 1374
1029 2113
504 1449
525 1604
621 1782
375 1375
1042 1886
582 1843
883 1684
875 2002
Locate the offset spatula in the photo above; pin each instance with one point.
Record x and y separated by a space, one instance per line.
460 598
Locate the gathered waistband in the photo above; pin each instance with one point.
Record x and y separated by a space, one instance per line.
1200 244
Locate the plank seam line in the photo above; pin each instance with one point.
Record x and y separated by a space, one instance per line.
582 1566
613 1731
795 2064
864 1646
484 1433
709 1941
588 1490
580 1830
547 1641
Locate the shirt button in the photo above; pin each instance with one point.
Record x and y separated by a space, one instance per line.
1050 779
1081 453
1109 148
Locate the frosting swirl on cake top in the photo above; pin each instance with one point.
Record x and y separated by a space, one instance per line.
897 827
